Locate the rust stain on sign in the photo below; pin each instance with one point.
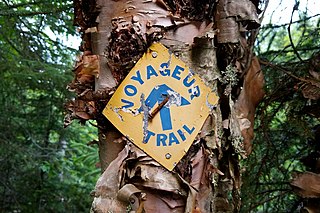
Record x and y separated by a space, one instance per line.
161 105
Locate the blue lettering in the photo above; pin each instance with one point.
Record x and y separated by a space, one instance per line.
165 116
195 92
148 136
138 78
186 83
188 130
151 72
164 72
181 135
172 139
176 72
130 90
129 103
161 139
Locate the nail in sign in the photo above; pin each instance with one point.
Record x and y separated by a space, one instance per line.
161 106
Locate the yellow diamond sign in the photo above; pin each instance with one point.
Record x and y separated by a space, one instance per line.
160 106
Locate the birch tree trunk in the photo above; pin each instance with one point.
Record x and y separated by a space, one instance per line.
210 37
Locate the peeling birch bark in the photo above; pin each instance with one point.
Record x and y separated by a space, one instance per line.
117 35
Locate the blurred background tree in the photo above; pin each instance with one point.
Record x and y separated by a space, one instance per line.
46 168
43 167
287 126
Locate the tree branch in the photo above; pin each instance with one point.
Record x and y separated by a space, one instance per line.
32 13
289 32
268 26
283 70
10 12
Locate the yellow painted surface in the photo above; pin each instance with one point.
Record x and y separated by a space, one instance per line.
156 77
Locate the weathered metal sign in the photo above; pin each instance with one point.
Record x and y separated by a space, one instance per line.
161 106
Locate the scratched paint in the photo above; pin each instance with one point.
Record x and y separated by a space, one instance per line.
145 111
161 106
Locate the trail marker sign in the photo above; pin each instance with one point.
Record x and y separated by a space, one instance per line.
160 106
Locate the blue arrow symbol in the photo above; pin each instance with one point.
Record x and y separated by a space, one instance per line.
157 95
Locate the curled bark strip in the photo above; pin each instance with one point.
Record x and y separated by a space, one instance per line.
164 191
306 184
231 15
78 109
107 187
86 70
249 98
101 94
127 192
132 196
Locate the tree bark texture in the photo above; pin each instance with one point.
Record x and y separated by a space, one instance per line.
210 37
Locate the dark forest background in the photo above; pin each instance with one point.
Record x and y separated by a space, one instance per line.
47 168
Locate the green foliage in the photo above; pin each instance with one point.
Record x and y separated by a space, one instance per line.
44 168
283 128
